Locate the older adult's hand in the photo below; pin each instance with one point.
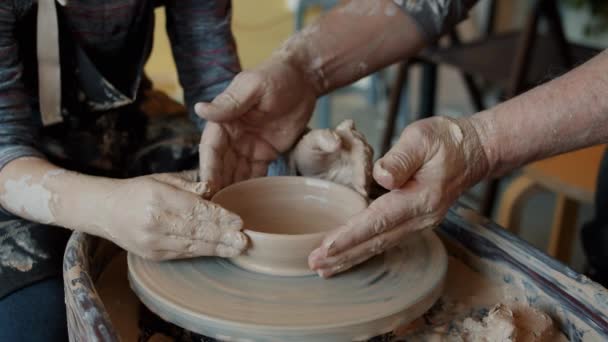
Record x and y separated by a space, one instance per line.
261 114
433 162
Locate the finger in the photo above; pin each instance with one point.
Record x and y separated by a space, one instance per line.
199 218
183 247
213 146
361 253
236 100
382 215
230 163
243 170
179 180
259 169
400 163
189 175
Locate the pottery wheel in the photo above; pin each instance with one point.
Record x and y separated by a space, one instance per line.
215 298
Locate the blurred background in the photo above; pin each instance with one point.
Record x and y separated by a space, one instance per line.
499 51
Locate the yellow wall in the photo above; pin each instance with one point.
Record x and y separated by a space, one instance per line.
259 27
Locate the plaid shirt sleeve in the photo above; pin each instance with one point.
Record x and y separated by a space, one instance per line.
436 17
203 48
18 129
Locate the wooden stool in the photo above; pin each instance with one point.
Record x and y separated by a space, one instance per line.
571 177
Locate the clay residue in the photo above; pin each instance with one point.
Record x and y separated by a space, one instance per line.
27 198
511 323
23 258
15 259
486 312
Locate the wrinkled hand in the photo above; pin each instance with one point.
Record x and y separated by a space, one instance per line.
433 162
342 156
164 216
261 114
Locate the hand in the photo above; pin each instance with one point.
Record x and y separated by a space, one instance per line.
342 156
261 114
433 162
164 216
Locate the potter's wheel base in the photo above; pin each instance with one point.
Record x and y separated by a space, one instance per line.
215 298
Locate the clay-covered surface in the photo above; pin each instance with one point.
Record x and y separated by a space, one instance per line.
502 267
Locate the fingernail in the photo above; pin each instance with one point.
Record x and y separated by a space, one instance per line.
381 171
315 258
329 247
198 108
322 273
230 221
236 240
226 251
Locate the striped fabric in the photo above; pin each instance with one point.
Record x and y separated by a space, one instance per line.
202 44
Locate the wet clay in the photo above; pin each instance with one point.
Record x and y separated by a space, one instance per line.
342 156
288 221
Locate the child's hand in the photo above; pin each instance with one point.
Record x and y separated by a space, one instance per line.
164 216
341 155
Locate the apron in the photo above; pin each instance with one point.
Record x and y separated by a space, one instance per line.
100 94
92 125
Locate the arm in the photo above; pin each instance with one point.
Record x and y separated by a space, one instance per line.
568 113
203 47
161 216
264 110
437 159
361 36
158 216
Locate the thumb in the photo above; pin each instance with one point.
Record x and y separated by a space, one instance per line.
328 141
236 100
183 181
400 163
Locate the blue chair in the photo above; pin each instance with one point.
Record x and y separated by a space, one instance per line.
373 92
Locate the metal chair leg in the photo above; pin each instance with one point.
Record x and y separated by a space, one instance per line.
394 105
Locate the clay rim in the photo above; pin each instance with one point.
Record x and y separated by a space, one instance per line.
431 236
283 237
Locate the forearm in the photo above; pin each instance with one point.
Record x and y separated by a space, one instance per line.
351 41
568 113
37 190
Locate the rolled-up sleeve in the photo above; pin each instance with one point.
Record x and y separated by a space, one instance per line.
436 17
18 129
203 48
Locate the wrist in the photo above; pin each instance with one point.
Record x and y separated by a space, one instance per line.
297 58
83 203
483 127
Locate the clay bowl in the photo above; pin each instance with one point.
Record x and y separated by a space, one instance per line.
286 218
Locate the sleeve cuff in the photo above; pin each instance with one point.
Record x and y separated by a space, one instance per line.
10 153
434 18
207 95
